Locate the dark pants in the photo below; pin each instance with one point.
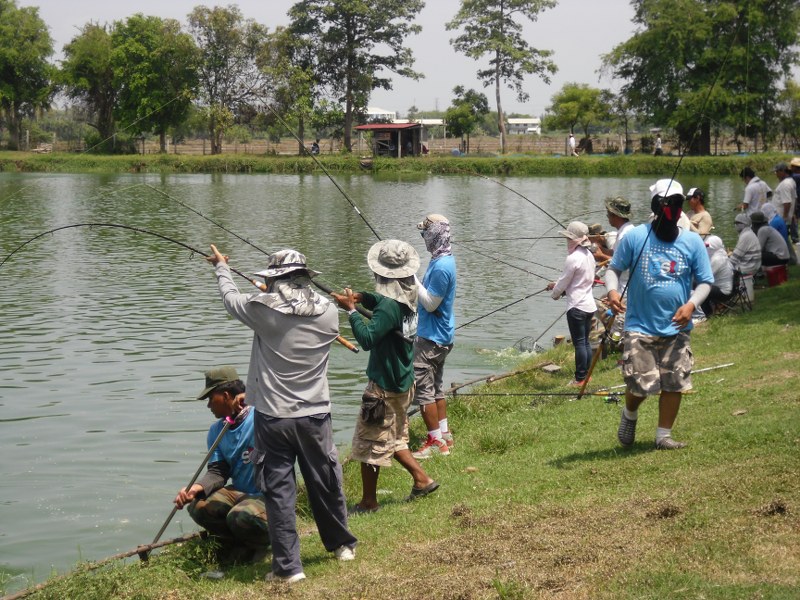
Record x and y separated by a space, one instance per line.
309 441
580 324
715 296
768 259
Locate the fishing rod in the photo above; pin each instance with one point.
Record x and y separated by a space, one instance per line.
502 262
655 224
501 308
193 250
227 425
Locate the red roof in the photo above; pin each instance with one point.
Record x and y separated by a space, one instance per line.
374 126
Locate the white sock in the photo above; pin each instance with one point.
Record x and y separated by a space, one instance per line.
443 426
435 433
631 415
663 432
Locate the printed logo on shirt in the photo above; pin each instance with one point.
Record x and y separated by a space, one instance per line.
663 266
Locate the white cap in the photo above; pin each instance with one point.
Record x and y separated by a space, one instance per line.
665 187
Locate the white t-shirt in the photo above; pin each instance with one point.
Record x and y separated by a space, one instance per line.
785 193
755 194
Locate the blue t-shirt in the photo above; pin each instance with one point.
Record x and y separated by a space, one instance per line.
440 280
662 281
235 449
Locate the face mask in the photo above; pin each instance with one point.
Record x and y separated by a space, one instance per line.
667 211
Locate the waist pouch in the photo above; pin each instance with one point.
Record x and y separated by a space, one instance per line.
373 408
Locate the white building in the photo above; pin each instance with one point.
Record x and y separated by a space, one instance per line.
375 114
524 125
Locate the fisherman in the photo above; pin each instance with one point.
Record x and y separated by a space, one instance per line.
663 260
785 200
746 256
381 431
233 513
774 250
756 191
722 269
576 283
699 217
435 335
287 385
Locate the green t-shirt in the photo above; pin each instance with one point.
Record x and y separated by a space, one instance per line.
391 358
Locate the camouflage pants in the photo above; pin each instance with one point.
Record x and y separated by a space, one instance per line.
231 514
651 364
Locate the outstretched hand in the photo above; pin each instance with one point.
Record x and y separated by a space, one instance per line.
217 257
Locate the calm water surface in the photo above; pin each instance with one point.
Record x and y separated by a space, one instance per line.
106 333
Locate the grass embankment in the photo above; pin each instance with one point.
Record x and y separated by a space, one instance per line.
539 501
512 165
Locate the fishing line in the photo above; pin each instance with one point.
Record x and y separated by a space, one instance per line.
524 270
511 239
527 260
324 170
501 308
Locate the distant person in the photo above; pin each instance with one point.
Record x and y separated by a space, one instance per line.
746 256
315 147
378 438
775 221
721 267
664 261
233 513
658 150
785 202
699 218
618 213
571 142
576 282
774 250
756 192
794 167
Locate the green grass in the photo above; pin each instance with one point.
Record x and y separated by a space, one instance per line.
513 165
538 500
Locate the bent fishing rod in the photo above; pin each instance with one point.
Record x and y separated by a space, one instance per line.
193 250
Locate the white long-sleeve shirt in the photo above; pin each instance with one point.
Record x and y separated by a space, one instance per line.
577 280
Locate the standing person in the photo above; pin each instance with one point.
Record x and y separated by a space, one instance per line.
664 261
699 217
756 192
435 335
785 200
379 438
315 147
234 513
576 282
287 385
658 150
571 142
794 167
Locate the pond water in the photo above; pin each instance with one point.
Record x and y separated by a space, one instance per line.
106 333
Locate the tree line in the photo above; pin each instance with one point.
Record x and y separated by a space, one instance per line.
695 66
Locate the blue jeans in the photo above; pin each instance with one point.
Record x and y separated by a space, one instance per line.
580 324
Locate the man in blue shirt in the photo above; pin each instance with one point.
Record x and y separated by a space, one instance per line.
234 513
663 261
435 333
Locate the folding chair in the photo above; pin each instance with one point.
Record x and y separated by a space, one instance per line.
739 299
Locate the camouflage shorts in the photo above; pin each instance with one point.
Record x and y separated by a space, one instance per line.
375 444
651 364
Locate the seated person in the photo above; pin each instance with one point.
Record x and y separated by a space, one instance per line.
236 513
722 288
746 256
774 250
775 221
699 217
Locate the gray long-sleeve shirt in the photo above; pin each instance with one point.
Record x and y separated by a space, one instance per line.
288 372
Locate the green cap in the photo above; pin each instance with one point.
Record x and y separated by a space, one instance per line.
215 378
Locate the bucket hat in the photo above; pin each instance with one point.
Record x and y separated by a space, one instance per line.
758 218
215 378
285 261
619 206
393 259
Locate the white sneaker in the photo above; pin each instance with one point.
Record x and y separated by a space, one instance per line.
345 553
285 578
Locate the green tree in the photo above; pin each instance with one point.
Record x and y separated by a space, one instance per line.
789 108
356 41
466 113
25 73
87 76
230 78
155 73
491 28
695 63
577 104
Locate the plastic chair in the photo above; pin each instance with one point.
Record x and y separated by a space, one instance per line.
738 300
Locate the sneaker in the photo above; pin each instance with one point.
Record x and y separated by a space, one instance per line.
627 431
669 444
447 436
431 447
575 383
285 578
345 553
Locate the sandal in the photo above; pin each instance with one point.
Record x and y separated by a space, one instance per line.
422 492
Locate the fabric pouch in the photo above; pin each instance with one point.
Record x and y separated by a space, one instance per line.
373 408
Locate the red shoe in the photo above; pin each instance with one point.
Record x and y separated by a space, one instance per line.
447 436
431 447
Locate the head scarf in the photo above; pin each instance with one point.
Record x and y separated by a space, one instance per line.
403 290
769 211
741 222
292 295
437 239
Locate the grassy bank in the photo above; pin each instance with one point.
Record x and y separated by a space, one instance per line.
514 165
539 501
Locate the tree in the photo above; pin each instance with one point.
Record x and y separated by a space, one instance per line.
154 72
490 29
466 113
87 76
356 40
25 73
790 114
694 63
228 73
577 104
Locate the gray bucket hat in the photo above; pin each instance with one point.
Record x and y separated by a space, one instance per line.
285 261
619 206
758 218
393 259
215 378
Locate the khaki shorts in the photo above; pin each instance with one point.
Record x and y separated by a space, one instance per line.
653 364
429 360
377 444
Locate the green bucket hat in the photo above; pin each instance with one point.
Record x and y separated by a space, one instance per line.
215 378
619 206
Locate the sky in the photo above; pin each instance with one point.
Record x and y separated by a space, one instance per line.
579 32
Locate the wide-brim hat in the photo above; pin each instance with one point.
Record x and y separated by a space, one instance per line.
285 261
795 162
215 378
578 232
665 188
596 229
393 259
619 206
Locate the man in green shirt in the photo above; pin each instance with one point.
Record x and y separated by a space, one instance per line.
380 437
